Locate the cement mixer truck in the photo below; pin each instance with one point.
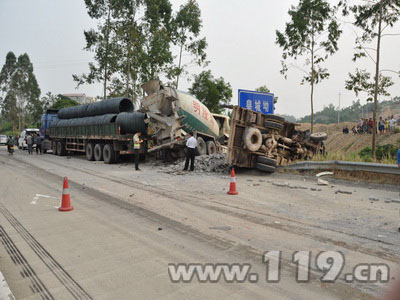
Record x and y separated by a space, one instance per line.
171 114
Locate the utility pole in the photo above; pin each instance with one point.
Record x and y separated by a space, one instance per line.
338 118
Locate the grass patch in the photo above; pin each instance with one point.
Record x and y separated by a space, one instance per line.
354 157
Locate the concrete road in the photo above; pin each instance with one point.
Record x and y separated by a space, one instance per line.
127 227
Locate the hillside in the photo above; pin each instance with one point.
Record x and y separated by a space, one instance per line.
354 112
347 143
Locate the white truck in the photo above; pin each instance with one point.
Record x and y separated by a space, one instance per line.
22 139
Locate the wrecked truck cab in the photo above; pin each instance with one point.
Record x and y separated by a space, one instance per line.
266 141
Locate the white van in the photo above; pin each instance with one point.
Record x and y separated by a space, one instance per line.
22 139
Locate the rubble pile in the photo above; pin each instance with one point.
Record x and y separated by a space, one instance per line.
204 163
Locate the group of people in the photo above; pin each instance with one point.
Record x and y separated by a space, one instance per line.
34 140
384 126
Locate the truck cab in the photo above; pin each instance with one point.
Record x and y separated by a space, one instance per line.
46 121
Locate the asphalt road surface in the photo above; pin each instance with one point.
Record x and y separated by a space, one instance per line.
127 227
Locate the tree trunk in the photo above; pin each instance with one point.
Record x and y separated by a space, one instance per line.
378 50
312 85
179 66
106 57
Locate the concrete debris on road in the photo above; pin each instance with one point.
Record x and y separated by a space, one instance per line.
392 200
322 182
289 186
343 192
203 164
223 228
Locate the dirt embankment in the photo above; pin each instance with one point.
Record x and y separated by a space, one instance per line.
347 143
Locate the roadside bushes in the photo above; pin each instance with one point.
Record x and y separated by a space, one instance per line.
383 152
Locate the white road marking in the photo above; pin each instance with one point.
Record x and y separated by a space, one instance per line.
37 196
5 292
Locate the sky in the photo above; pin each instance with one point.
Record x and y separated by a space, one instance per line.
241 49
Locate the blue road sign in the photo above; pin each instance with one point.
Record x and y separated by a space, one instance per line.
257 101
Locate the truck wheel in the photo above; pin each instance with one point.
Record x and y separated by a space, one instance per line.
266 161
98 152
44 151
90 152
201 146
318 136
274 125
275 118
252 139
211 148
54 148
110 156
265 168
61 149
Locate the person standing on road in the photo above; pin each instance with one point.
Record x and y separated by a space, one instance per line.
38 141
10 142
137 141
29 142
191 145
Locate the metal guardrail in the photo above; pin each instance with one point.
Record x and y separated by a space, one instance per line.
344 166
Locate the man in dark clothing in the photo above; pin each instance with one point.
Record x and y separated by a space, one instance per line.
29 142
38 141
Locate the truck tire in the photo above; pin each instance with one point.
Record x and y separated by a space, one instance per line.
266 161
211 148
252 139
274 125
201 146
275 118
265 168
61 149
54 147
98 152
90 152
110 156
318 136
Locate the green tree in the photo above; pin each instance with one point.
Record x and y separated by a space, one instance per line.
103 43
156 56
132 44
187 25
210 91
48 100
6 73
265 89
313 33
373 18
62 101
22 93
361 81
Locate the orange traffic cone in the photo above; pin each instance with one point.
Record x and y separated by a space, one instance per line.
65 201
232 187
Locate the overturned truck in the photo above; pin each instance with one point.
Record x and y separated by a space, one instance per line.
171 114
265 141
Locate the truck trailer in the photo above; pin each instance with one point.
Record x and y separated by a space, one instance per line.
102 131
